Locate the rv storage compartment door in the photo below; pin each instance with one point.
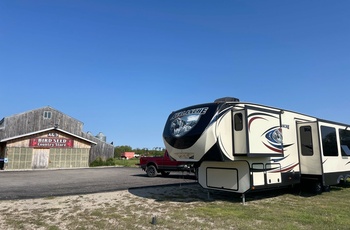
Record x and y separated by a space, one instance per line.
229 176
264 132
230 182
258 174
273 173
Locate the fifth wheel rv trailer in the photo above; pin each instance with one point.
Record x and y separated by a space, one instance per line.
240 147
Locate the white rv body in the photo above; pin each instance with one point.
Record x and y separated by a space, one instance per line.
241 147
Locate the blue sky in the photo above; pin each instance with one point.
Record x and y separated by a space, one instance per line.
121 67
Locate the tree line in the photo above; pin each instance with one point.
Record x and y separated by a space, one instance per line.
156 151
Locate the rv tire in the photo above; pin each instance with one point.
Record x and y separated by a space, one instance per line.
317 187
327 188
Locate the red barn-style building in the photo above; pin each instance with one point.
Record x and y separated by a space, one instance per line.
47 138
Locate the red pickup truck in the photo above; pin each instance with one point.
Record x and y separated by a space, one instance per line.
164 165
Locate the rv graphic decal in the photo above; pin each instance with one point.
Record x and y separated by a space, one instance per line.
279 159
182 122
255 116
219 114
274 139
252 119
287 168
273 136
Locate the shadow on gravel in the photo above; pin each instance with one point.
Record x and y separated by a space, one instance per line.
171 176
182 192
193 192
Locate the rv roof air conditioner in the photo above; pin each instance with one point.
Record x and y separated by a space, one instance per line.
226 99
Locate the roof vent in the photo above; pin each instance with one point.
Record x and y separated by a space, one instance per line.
226 99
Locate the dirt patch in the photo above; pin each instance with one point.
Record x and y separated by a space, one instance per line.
132 208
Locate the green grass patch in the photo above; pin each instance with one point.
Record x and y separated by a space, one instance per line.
115 162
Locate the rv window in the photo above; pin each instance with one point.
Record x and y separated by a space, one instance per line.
257 167
306 141
345 142
238 122
270 166
329 141
345 151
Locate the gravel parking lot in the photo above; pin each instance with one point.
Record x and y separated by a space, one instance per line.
71 199
63 182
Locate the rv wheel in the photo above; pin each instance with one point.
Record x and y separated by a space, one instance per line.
151 171
318 188
326 188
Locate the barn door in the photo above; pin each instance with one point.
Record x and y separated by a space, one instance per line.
40 158
309 148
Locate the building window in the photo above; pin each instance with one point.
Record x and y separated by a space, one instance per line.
329 141
344 142
47 114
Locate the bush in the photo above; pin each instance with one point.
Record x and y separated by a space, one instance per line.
97 162
110 162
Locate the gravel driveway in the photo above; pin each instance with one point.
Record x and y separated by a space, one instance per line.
46 183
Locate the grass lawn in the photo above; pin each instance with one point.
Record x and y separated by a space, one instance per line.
127 163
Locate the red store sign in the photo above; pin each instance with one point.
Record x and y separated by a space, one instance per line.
51 142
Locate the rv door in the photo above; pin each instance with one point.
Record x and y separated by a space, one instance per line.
239 132
309 148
